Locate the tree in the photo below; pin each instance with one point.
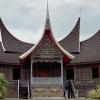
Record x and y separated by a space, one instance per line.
3 86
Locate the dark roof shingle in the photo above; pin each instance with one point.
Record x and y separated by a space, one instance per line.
71 42
12 44
11 58
84 52
89 50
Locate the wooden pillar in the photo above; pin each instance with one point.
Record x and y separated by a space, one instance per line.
10 73
31 70
18 89
62 72
31 79
28 90
99 70
22 73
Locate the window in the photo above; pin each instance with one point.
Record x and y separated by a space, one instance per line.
95 72
16 74
70 74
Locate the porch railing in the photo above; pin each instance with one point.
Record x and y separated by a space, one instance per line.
87 81
15 87
55 80
47 80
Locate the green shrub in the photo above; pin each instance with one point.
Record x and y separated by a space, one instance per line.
94 94
3 86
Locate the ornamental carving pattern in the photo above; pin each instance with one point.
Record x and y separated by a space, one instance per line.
47 50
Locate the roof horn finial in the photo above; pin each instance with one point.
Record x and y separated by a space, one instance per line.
47 18
47 10
81 11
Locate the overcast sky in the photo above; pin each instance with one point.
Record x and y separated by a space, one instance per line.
25 19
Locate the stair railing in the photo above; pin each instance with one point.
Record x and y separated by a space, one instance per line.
74 90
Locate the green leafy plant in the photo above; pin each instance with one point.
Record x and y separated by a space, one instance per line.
94 94
3 86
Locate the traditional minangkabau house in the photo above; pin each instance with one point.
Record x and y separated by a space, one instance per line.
42 69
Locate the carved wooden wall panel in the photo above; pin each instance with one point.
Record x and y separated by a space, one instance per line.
47 51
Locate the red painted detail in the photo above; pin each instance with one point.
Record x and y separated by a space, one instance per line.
26 60
66 59
42 73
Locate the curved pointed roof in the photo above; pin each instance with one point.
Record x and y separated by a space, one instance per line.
10 43
11 58
71 43
90 50
47 33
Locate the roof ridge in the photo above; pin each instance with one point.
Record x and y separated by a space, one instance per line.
94 35
1 22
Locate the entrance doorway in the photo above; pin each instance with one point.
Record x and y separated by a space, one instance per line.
16 74
95 72
70 74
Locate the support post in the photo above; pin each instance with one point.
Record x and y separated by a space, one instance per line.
62 77
28 90
31 77
31 70
99 70
62 71
18 89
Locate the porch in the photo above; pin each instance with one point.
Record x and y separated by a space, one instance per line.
47 79
81 85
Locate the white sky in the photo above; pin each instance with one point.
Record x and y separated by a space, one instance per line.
25 19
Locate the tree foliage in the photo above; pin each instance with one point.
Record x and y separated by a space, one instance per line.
3 86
